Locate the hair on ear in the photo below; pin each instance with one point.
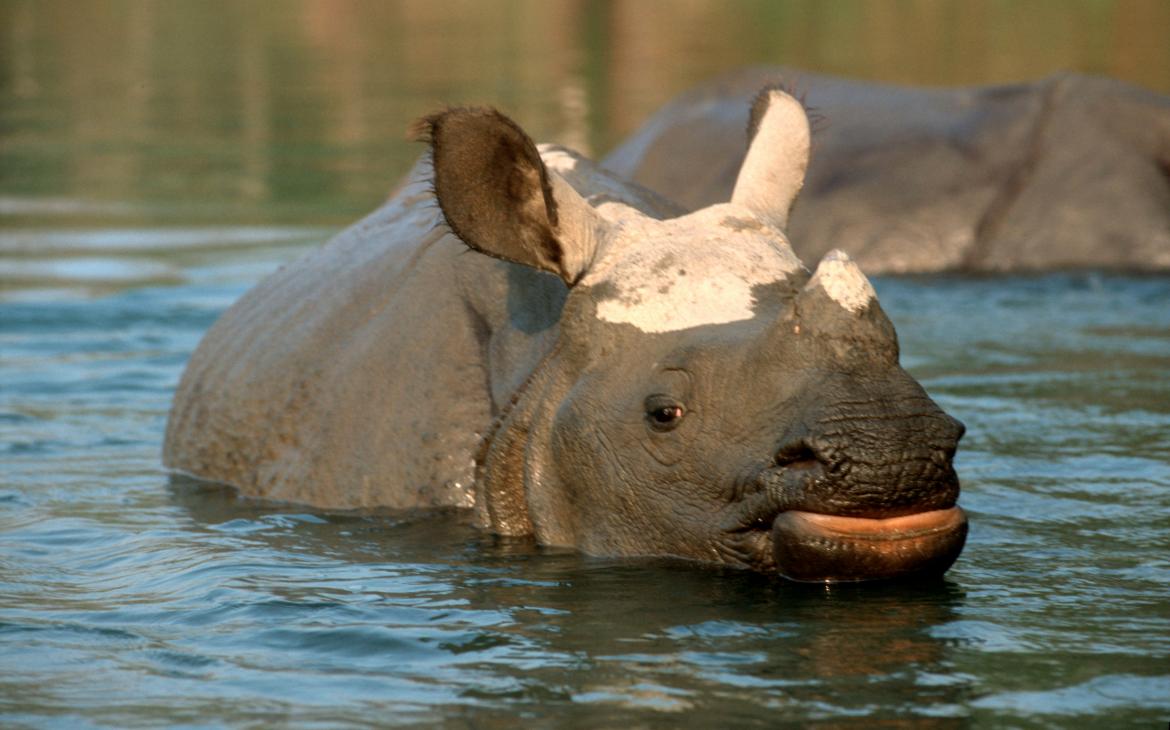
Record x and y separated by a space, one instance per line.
816 120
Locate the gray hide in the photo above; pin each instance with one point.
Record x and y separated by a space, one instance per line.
1069 172
366 373
569 356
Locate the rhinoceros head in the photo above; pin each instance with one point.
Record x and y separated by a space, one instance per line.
706 397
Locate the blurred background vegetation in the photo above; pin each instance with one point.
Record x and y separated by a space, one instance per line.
295 111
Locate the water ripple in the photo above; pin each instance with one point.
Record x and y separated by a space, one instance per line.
126 599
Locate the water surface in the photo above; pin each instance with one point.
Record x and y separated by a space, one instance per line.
128 600
156 159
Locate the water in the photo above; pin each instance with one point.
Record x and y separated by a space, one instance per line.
126 600
132 218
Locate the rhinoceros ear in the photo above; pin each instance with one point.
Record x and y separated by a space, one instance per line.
777 158
499 199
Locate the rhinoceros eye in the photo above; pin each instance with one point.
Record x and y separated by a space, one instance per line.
663 413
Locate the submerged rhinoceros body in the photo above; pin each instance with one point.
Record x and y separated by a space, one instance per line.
611 376
1068 172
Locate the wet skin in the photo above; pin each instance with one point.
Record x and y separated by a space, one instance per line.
596 372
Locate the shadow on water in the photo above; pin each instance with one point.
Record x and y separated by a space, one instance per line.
654 635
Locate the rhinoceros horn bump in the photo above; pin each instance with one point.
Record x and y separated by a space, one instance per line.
840 278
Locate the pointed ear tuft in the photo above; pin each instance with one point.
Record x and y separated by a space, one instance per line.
497 196
816 120
773 171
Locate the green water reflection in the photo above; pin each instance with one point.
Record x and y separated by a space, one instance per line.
296 111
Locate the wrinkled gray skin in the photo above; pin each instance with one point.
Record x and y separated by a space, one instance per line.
1069 172
607 377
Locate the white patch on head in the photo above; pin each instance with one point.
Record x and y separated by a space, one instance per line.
843 281
558 159
664 276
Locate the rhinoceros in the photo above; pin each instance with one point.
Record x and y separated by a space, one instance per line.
521 333
1067 172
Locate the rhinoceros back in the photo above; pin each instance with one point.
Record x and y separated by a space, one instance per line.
367 372
310 388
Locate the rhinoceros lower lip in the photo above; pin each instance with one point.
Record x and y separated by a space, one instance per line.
813 547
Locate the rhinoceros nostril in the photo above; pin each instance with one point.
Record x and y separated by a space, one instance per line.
798 455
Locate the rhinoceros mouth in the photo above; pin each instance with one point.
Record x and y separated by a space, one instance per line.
802 519
783 531
815 547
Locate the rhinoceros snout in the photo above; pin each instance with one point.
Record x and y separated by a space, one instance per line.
863 496
872 459
867 496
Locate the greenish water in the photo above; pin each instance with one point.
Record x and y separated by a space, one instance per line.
156 159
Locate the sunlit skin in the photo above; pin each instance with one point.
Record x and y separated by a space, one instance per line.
585 367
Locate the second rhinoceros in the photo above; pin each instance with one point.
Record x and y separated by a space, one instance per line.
563 353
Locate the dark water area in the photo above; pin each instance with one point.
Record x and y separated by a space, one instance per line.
157 159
